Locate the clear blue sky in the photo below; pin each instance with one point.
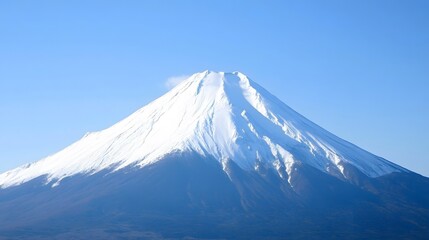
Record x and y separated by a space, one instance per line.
360 69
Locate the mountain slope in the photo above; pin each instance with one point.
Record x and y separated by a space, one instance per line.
223 115
190 196
217 157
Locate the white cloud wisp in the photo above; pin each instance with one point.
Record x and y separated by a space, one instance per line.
175 80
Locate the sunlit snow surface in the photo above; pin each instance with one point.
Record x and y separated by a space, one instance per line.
223 115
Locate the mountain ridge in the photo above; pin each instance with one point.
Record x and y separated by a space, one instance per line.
217 157
224 115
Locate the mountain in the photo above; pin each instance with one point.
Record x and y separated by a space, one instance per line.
222 115
218 156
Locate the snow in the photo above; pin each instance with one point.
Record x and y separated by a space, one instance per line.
223 115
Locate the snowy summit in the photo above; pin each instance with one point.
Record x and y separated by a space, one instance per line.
226 116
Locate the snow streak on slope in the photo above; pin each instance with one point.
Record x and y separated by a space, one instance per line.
223 115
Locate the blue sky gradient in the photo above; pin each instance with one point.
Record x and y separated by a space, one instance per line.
360 69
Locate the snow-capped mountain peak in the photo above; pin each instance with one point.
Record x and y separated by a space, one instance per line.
226 116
